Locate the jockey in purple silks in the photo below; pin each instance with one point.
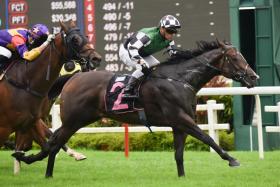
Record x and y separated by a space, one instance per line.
17 40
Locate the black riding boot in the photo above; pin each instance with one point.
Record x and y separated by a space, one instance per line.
129 88
3 61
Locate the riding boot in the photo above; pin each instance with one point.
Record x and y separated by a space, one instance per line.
3 61
129 88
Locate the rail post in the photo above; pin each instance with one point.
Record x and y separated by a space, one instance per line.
126 140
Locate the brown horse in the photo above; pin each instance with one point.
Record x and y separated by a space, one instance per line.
168 96
25 86
24 140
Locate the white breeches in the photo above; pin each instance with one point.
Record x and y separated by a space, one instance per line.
124 56
5 52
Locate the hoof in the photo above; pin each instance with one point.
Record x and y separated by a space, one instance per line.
80 157
18 155
48 176
234 163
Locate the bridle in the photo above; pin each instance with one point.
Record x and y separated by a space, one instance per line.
236 75
72 52
227 59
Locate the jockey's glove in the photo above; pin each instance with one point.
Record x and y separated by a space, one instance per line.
46 43
50 37
143 63
172 52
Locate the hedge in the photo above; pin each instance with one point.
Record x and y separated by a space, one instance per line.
159 141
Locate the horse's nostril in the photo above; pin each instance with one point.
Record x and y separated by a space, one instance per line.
254 77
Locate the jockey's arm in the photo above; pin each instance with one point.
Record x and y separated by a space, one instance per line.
20 44
140 40
171 49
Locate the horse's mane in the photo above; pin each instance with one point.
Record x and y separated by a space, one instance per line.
182 55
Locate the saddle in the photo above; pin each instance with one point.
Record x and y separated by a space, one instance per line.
114 101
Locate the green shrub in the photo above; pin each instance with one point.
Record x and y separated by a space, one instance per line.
159 141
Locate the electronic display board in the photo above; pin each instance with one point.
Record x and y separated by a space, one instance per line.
107 23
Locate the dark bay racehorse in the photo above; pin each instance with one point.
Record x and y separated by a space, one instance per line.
25 85
168 96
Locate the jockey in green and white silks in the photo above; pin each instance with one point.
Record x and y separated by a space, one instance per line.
138 49
143 44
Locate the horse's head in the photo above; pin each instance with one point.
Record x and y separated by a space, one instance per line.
78 48
233 65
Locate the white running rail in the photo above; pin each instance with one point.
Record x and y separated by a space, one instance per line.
256 91
211 107
273 109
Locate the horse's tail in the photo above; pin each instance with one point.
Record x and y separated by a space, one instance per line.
56 88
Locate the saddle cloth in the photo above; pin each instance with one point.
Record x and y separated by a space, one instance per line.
113 97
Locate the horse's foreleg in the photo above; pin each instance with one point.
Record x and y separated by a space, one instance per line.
56 141
78 156
179 145
4 135
22 143
37 134
188 125
54 148
10 145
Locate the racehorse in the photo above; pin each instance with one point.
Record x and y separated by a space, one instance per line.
25 85
168 96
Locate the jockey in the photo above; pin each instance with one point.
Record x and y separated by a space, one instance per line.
17 40
138 49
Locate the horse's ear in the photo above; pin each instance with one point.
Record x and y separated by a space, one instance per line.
221 44
63 26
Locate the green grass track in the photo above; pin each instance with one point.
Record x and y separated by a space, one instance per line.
146 169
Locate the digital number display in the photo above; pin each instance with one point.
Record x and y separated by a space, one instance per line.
107 23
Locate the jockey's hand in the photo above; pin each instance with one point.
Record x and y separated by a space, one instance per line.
51 37
172 52
143 63
144 66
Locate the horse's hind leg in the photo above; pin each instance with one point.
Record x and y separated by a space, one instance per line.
187 124
179 145
71 152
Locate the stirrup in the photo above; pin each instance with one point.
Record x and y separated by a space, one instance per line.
127 96
130 95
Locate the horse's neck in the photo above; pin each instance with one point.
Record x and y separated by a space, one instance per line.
206 72
34 74
195 72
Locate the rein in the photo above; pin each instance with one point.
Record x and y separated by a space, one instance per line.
26 87
226 59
